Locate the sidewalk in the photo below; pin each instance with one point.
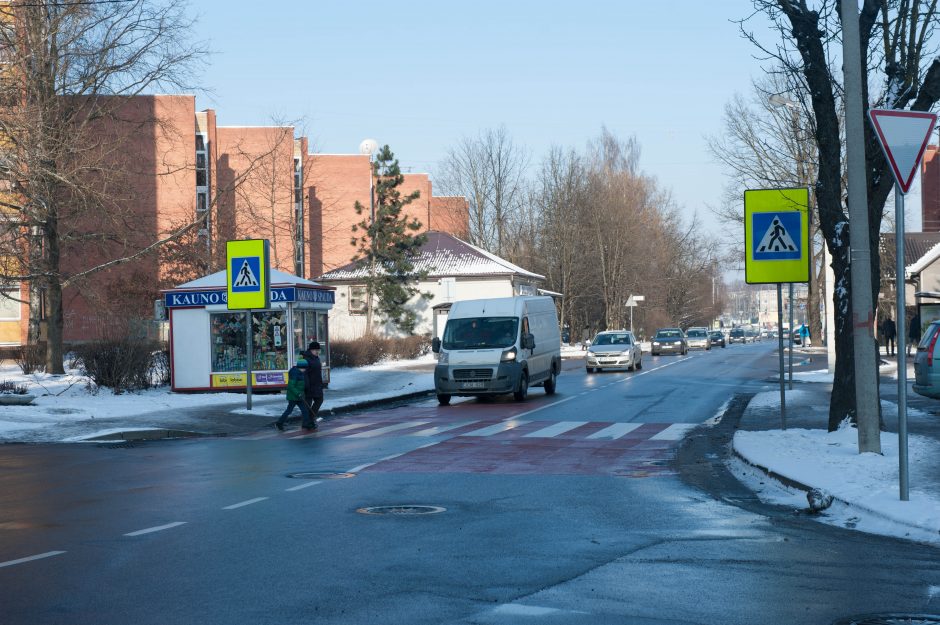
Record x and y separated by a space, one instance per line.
865 487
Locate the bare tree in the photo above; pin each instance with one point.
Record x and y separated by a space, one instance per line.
897 52
489 171
64 121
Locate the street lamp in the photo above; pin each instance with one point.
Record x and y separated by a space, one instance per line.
369 147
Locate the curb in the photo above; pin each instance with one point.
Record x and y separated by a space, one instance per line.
377 402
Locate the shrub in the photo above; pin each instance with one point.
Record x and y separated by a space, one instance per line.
369 350
8 387
120 364
31 358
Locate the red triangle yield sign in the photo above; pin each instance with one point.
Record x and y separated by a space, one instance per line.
903 136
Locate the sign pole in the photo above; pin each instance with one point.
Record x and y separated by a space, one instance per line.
248 342
783 394
791 336
900 288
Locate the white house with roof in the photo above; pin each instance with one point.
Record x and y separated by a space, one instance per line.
456 270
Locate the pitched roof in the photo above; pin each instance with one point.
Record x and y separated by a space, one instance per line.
920 250
219 279
444 255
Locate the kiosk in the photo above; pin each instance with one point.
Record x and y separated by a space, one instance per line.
208 343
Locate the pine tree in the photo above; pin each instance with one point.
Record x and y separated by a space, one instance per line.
387 245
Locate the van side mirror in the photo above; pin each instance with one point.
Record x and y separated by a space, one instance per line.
528 341
436 345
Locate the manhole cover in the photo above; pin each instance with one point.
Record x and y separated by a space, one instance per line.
890 619
323 475
402 510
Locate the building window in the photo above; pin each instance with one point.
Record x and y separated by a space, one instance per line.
299 218
9 302
357 300
268 347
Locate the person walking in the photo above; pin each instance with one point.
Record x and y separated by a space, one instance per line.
296 385
890 331
913 333
313 393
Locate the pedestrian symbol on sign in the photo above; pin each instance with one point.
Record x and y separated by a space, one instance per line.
777 243
246 271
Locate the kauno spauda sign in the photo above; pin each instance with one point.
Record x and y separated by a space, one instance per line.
216 297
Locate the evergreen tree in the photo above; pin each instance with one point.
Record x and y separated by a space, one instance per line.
387 245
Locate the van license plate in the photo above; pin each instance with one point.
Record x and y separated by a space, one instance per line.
472 385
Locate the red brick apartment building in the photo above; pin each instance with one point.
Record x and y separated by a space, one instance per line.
179 167
930 190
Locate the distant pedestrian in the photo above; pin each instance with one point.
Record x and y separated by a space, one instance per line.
296 384
313 393
913 332
889 331
805 339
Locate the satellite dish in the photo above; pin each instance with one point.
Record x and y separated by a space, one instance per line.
368 147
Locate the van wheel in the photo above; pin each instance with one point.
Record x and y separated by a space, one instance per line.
443 399
550 383
523 390
639 363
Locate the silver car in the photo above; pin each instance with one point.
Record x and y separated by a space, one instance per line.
614 349
927 363
698 338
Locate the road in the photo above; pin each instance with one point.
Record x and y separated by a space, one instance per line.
582 507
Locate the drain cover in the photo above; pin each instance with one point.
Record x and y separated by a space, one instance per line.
324 475
402 510
890 619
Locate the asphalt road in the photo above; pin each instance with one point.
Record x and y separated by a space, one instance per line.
604 503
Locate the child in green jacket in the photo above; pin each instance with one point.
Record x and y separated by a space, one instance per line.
296 383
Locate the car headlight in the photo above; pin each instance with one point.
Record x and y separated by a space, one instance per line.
655 342
509 355
625 352
442 358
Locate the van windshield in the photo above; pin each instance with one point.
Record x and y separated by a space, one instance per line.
480 333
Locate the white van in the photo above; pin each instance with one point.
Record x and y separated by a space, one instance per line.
498 346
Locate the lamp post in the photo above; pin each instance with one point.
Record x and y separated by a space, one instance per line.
369 147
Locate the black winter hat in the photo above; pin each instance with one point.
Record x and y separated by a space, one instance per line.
314 345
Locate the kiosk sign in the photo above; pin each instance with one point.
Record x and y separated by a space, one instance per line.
776 236
248 269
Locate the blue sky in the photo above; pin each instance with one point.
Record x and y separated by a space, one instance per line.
420 75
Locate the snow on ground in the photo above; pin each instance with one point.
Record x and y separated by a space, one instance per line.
866 486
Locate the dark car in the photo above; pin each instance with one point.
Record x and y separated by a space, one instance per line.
669 341
737 335
717 337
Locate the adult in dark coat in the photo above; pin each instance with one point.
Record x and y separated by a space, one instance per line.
890 331
313 392
913 333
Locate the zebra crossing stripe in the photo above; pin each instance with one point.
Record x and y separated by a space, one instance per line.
385 430
496 429
346 428
443 428
554 430
673 433
615 431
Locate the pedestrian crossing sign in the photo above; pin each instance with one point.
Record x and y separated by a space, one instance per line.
247 271
776 235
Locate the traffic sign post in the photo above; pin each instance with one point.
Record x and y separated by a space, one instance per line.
631 304
903 136
247 275
778 250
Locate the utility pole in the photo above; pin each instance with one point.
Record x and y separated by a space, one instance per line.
866 375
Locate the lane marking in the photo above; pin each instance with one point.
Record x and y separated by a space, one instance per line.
40 556
554 430
443 428
244 503
387 429
674 432
307 485
496 429
346 428
615 431
158 528
360 467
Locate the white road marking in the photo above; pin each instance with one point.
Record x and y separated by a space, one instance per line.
674 432
615 431
244 503
496 429
158 528
346 428
360 467
40 556
442 428
554 430
387 429
307 485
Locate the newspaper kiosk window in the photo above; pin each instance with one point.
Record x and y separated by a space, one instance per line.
268 347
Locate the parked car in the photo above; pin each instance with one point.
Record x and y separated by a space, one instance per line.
669 340
614 349
698 338
926 363
718 338
737 335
